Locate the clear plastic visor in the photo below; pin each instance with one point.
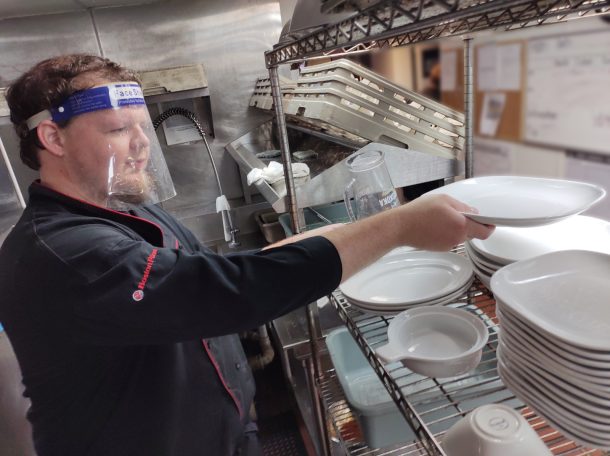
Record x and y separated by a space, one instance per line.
112 154
127 165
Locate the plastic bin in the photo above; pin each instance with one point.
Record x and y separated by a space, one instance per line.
336 212
381 422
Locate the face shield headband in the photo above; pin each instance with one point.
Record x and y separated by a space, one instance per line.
130 167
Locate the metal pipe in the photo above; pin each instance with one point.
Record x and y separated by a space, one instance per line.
315 365
276 93
468 106
318 411
178 111
226 214
267 353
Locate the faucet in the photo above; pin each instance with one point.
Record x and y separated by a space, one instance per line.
222 204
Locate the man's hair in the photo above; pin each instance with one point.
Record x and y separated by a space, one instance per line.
48 84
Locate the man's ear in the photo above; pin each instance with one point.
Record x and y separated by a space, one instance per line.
50 137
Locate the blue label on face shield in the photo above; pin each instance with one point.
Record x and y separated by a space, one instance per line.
104 97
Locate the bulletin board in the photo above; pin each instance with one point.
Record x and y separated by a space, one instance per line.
568 88
498 82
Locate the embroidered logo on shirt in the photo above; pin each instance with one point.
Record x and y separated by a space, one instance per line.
138 295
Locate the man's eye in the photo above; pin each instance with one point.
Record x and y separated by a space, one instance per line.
118 130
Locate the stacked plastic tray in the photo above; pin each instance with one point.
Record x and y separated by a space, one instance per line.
351 98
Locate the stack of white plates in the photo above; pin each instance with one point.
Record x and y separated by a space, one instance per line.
554 349
406 279
507 245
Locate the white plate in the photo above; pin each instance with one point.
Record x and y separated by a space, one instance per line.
565 294
483 276
408 278
571 372
546 345
557 417
480 263
567 350
481 258
582 421
522 201
507 245
578 397
390 309
574 375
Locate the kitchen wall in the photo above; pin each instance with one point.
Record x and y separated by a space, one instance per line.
229 37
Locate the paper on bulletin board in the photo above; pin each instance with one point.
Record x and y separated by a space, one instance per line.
568 100
448 71
509 67
499 67
486 68
491 114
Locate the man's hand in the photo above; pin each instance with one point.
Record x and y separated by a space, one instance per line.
431 222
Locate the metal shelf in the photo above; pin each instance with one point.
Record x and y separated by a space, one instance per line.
432 406
391 23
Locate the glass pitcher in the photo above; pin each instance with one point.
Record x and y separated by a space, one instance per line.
371 187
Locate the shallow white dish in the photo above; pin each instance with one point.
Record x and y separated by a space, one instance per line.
548 361
515 329
594 375
435 341
555 415
481 259
408 278
507 245
483 276
522 201
567 350
565 294
556 385
480 264
562 411
393 309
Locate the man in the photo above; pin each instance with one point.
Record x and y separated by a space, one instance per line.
121 320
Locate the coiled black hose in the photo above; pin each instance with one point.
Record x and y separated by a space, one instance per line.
178 111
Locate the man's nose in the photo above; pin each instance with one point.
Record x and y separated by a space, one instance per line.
140 138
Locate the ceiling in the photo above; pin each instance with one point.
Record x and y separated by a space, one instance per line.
19 8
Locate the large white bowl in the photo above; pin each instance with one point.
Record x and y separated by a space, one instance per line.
435 341
493 430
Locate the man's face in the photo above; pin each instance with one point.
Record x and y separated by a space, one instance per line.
107 153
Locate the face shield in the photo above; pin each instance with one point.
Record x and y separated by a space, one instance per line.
112 151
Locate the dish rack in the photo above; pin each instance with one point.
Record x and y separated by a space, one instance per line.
430 406
351 98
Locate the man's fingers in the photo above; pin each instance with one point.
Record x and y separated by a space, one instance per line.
461 207
478 230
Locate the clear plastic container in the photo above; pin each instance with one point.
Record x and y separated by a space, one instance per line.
381 422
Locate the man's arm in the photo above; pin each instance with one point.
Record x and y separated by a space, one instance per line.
430 222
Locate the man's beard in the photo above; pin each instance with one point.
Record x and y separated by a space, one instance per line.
135 190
